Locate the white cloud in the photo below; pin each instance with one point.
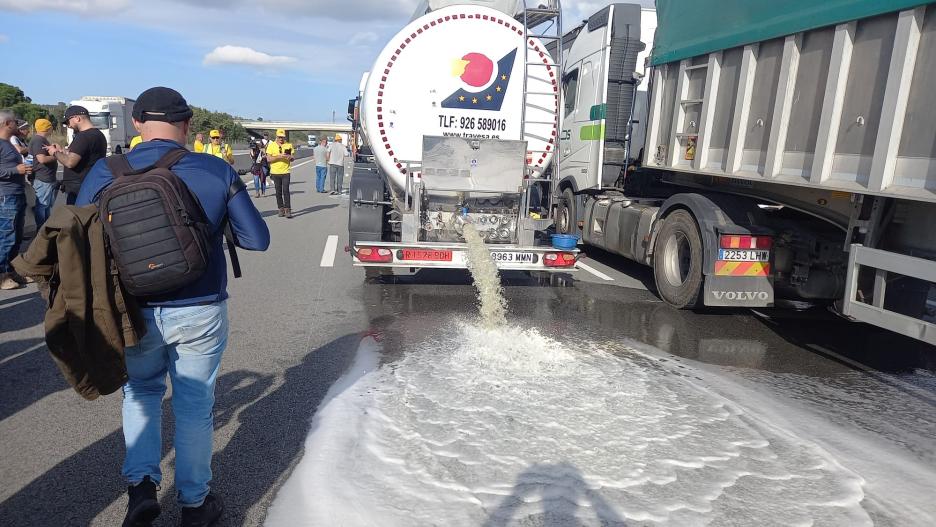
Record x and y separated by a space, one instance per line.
346 10
84 7
245 56
363 38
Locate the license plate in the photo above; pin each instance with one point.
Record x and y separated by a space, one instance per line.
433 255
743 255
512 257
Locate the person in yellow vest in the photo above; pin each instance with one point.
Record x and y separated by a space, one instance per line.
219 149
199 143
137 139
280 156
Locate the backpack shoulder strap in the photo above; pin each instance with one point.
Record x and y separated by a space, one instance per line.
119 166
236 186
170 158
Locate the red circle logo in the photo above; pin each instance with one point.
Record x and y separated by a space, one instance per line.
478 70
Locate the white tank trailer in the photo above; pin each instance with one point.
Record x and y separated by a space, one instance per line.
459 111
767 154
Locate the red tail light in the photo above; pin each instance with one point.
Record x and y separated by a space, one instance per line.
375 255
733 241
559 259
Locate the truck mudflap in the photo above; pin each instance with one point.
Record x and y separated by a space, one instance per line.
455 256
739 291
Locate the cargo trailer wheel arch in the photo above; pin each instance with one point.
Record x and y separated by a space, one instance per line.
678 260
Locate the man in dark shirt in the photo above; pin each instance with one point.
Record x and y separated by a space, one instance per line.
12 201
44 168
187 330
87 146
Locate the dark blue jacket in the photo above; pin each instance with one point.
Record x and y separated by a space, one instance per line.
209 178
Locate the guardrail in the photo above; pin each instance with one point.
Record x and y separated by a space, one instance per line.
884 262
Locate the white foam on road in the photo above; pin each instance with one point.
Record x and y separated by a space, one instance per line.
508 427
328 255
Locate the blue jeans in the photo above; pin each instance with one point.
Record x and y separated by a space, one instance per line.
45 197
320 173
186 343
259 183
12 219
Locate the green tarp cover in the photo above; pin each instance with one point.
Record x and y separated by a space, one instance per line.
686 28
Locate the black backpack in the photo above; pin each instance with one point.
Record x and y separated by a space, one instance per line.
155 228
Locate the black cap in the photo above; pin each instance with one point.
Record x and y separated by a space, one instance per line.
75 110
161 104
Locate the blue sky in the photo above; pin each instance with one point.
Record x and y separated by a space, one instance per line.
285 59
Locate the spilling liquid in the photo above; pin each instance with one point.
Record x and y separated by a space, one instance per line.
486 279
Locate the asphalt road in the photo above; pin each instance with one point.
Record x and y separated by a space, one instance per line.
299 314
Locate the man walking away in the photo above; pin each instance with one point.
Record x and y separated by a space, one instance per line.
336 157
219 149
12 201
280 156
199 145
187 330
87 146
320 154
44 169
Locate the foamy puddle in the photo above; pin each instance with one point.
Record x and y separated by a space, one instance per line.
476 426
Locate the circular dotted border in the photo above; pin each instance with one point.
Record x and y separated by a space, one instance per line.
441 20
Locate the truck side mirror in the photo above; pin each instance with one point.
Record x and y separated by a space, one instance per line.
113 122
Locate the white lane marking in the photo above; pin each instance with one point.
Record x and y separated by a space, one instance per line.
331 246
594 271
297 165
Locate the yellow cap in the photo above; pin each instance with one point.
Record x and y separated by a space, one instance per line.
338 138
214 133
43 125
281 133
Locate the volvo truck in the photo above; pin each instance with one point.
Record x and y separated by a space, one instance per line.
763 156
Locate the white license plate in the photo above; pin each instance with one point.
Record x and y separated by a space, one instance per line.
513 257
743 255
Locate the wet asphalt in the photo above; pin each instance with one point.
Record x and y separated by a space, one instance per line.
296 322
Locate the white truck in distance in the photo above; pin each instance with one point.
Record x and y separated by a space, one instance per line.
786 156
111 115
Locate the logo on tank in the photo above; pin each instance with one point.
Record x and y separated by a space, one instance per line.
484 83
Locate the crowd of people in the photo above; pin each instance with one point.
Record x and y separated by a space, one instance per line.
190 359
33 159
183 331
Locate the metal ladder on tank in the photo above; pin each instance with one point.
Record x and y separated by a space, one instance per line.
533 19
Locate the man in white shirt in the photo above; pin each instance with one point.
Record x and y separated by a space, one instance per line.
336 158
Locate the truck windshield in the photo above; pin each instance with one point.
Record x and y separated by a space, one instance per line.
101 120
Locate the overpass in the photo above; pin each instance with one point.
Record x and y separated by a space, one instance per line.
303 126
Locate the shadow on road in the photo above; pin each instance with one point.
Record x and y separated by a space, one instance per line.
559 488
78 489
272 430
307 210
22 311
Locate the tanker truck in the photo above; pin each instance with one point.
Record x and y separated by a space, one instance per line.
460 113
767 156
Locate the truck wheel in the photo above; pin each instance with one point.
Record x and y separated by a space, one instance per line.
565 215
677 260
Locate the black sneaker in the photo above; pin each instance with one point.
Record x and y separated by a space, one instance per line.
143 506
204 515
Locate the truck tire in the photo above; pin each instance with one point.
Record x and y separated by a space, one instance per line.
677 260
566 214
